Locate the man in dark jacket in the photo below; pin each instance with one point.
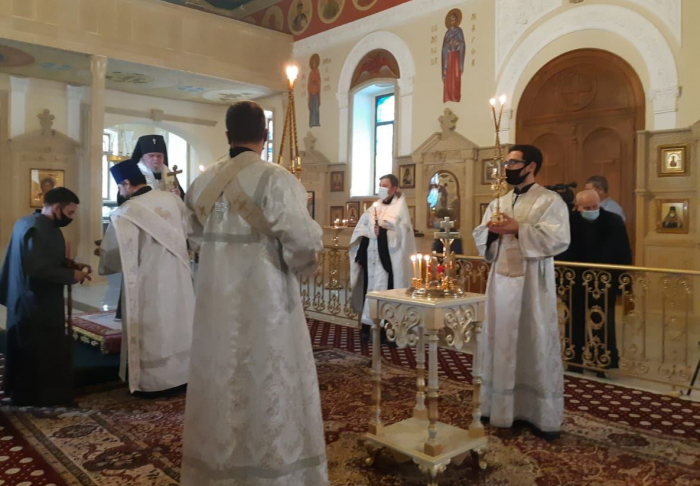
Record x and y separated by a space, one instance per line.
597 236
38 360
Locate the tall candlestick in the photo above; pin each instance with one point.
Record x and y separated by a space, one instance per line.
427 269
420 267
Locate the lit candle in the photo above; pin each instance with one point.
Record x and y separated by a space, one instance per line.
420 267
413 261
502 99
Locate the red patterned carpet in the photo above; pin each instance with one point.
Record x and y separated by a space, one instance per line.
115 439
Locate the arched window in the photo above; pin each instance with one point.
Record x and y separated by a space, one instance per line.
373 121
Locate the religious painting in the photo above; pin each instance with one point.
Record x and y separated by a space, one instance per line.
42 181
487 167
314 88
299 16
407 176
412 212
443 199
453 52
311 203
377 64
673 161
482 210
330 10
273 19
364 4
352 209
672 216
337 215
337 181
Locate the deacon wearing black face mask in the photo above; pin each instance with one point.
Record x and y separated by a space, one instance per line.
523 377
38 361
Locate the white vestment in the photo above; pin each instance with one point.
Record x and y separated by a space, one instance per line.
253 412
402 244
147 242
523 376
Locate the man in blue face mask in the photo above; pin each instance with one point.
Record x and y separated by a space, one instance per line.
597 236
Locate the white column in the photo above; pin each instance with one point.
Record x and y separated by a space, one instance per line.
91 182
665 102
75 96
343 124
18 105
405 116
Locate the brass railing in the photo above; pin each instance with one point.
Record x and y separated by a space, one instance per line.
656 335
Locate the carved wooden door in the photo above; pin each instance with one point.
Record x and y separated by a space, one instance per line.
583 110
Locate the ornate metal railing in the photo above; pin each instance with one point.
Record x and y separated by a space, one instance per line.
634 321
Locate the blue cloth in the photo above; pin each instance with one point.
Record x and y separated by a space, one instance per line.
612 207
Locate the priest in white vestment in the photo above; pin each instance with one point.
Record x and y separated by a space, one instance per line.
147 242
523 376
253 411
381 247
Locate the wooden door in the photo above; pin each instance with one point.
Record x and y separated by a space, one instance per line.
583 110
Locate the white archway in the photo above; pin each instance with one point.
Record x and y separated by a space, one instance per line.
398 48
662 85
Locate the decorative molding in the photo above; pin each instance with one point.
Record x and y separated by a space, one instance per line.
513 18
398 48
668 11
394 16
630 25
159 116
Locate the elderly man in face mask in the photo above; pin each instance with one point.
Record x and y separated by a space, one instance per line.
597 236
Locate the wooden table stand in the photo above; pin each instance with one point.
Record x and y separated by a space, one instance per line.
416 321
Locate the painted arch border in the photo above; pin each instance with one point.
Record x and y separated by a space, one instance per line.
662 85
404 96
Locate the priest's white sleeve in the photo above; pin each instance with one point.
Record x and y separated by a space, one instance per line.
110 260
481 236
550 235
195 230
287 215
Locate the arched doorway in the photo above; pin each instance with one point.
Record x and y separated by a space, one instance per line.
583 110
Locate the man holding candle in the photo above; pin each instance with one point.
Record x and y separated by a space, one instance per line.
381 246
522 368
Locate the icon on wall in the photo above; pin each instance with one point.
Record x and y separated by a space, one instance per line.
273 19
41 182
330 10
314 88
453 52
673 160
672 216
299 16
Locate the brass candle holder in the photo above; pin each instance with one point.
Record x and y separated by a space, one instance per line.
290 127
429 281
499 187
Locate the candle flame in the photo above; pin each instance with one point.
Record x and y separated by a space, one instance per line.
202 168
420 256
413 258
492 101
292 73
502 99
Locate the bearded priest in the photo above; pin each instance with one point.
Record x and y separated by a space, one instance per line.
147 242
381 247
253 411
522 368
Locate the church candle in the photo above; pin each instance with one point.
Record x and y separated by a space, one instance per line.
413 261
420 267
428 277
